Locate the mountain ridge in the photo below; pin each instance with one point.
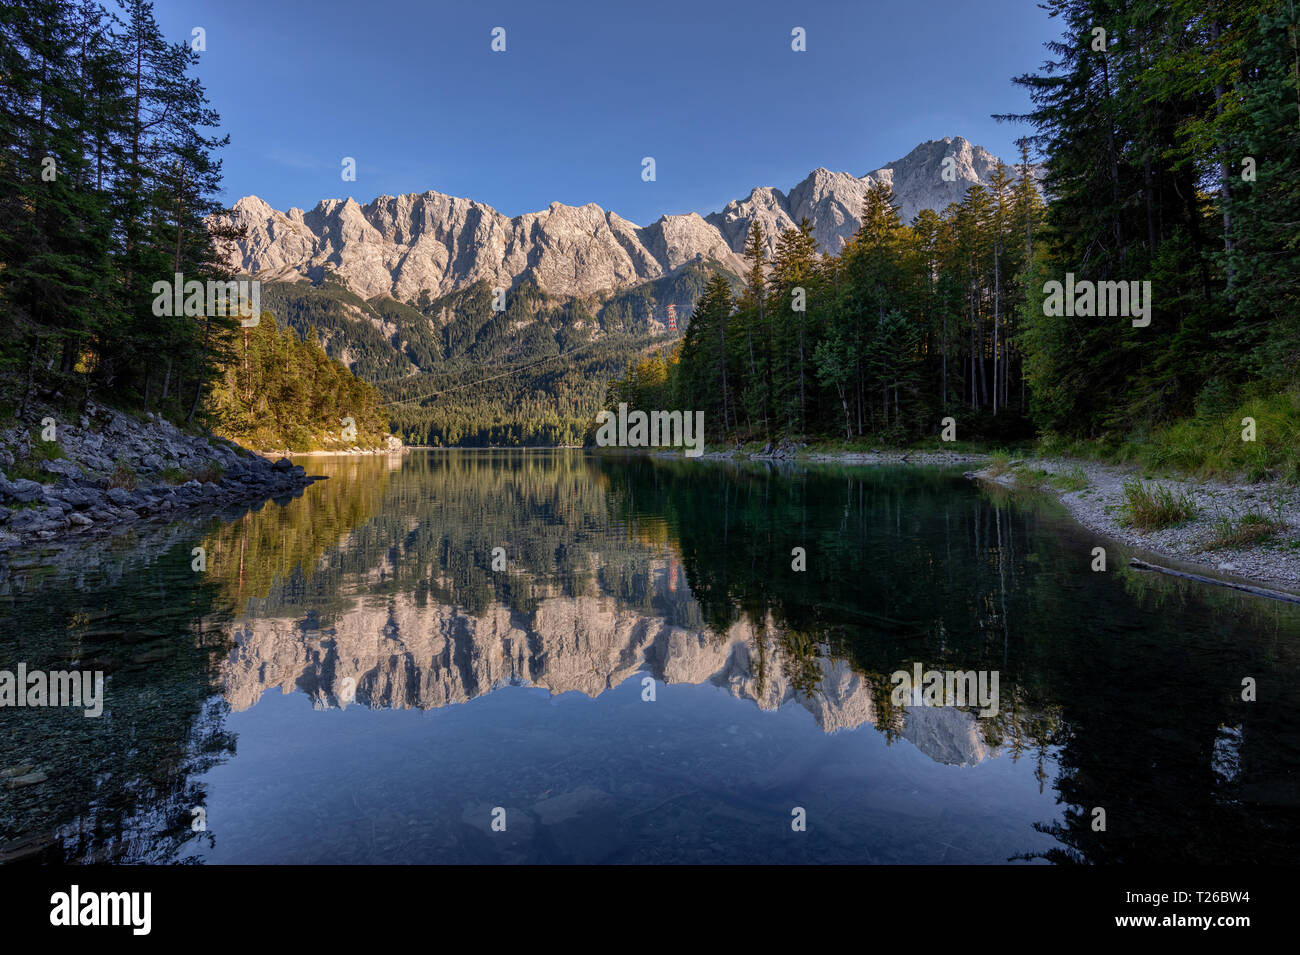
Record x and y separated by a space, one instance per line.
429 244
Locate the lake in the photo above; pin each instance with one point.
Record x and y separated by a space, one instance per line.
554 656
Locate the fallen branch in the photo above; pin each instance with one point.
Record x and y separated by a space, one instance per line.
1257 591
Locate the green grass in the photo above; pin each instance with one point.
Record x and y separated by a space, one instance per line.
43 450
1150 507
1250 528
999 463
1207 445
28 471
123 476
1073 480
1027 477
209 472
30 467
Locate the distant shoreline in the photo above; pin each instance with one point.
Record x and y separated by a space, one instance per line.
333 454
1096 506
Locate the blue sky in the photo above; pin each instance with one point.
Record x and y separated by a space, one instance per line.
584 90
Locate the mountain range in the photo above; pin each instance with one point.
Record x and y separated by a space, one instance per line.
401 289
422 246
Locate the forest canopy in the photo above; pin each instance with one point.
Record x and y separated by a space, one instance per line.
1170 137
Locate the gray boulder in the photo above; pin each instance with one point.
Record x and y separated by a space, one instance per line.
79 498
34 520
25 492
120 497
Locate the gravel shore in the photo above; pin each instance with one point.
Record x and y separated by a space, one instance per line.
1274 562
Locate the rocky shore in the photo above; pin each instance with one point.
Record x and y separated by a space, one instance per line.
1093 493
62 478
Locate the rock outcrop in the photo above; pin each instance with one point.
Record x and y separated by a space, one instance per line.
402 246
832 201
106 468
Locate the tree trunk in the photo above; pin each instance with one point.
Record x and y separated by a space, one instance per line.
997 317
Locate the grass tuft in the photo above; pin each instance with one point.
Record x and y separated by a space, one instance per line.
1244 531
123 476
1150 507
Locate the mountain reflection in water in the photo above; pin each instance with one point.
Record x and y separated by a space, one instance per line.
647 680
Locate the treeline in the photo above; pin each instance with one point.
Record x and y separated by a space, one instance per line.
533 402
460 371
350 328
280 390
107 177
531 374
907 324
1171 133
108 181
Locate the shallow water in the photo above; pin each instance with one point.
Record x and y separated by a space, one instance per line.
646 680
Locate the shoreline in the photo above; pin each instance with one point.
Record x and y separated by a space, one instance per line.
1274 563
79 498
268 455
105 470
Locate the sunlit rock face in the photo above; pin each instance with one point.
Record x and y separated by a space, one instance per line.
407 656
832 201
402 246
429 242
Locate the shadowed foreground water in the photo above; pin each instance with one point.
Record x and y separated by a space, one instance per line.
646 680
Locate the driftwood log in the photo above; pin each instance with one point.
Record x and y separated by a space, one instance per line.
1257 591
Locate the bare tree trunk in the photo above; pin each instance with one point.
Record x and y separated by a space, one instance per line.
1114 160
803 412
997 318
198 389
722 338
31 372
1225 185
973 401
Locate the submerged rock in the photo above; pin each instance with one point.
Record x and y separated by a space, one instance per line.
31 779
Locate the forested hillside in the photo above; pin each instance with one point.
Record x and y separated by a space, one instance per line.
1171 139
108 181
280 391
107 177
458 371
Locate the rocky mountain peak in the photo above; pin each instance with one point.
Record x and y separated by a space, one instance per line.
404 245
